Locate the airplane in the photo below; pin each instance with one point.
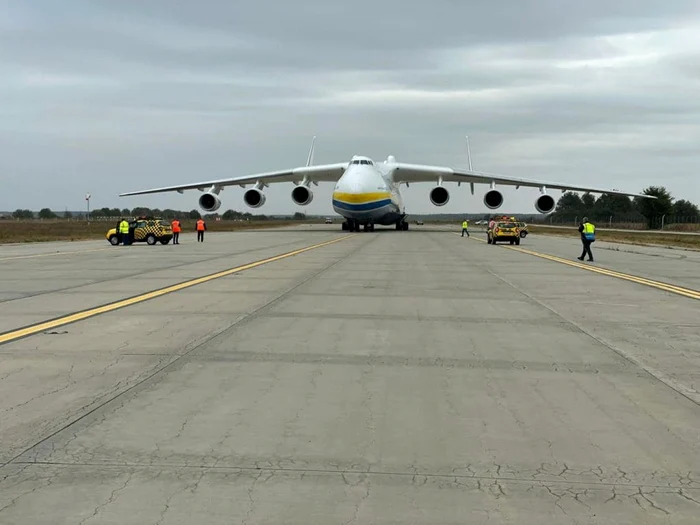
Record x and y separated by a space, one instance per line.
367 193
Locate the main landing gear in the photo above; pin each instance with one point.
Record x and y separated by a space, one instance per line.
402 226
354 226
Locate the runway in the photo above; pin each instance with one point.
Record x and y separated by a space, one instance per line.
307 375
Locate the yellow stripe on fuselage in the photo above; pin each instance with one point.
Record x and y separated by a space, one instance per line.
361 198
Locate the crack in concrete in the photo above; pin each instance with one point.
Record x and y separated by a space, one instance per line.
112 498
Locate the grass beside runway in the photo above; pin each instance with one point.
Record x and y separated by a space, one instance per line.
639 239
13 231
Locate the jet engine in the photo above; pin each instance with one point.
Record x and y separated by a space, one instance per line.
254 198
545 203
302 195
209 202
493 199
439 196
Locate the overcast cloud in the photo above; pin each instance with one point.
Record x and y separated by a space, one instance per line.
106 97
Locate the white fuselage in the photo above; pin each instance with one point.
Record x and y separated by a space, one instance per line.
367 194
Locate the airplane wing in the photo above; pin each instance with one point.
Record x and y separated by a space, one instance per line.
317 173
409 173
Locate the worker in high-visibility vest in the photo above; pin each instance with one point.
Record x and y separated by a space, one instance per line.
587 231
124 231
201 227
177 228
465 227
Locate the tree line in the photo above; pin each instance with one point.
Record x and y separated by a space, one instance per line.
47 213
665 209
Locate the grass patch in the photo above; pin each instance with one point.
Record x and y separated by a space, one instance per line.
13 231
638 239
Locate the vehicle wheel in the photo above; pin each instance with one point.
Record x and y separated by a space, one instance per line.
151 239
511 242
523 234
114 240
517 242
165 241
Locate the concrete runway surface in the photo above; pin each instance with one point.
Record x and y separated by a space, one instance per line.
388 377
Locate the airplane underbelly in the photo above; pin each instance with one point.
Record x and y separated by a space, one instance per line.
365 207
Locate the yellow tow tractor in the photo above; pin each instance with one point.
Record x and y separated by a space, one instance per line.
145 229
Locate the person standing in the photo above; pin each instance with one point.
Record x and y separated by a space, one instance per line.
587 231
465 227
124 231
177 228
201 228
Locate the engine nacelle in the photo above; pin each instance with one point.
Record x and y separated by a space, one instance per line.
545 203
254 198
493 199
302 195
439 196
209 202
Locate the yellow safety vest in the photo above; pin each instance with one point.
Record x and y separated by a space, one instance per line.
465 224
588 231
123 227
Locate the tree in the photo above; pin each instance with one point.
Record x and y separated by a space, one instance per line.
138 212
569 206
194 214
299 216
588 201
612 205
23 214
67 215
654 209
684 210
46 213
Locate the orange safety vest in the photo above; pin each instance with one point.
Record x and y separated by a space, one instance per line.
200 225
176 226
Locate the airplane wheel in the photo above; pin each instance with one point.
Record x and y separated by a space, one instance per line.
404 226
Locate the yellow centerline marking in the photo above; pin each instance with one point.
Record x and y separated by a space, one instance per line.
686 292
34 255
79 316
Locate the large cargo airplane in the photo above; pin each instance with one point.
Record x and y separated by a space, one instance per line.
367 193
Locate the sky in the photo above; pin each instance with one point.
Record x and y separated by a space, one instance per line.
113 96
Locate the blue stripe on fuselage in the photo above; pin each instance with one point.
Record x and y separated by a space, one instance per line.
366 206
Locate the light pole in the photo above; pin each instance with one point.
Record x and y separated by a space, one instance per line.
87 200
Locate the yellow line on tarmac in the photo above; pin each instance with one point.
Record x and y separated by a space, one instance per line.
79 316
686 292
32 256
